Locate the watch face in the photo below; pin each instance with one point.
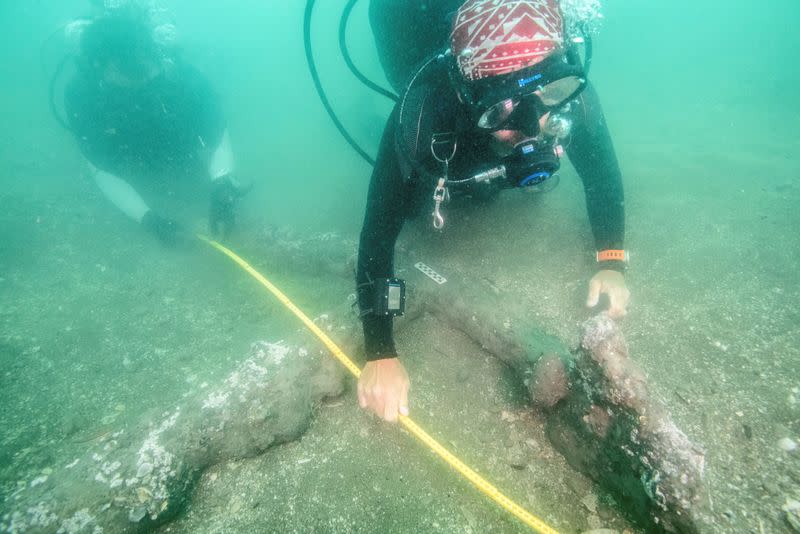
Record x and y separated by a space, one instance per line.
394 296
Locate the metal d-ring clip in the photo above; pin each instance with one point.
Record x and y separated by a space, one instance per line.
442 140
440 194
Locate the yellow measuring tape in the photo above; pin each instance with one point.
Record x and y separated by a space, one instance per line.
477 480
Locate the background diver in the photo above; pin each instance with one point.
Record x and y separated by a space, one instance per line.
143 117
487 114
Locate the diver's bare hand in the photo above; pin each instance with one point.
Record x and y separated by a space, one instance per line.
383 388
612 283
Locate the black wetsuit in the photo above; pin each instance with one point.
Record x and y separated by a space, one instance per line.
170 124
395 194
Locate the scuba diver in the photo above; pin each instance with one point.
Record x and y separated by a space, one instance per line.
496 110
140 113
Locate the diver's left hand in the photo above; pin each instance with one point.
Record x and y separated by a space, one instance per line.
612 283
226 191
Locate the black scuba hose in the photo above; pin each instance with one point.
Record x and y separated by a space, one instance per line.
52 92
347 59
320 91
51 88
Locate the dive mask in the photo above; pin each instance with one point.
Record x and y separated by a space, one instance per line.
515 101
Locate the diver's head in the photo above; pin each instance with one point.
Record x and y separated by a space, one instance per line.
511 66
119 48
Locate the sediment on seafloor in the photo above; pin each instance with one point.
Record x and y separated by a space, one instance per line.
599 412
136 477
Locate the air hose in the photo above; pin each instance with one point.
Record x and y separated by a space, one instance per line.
51 92
318 85
478 481
347 59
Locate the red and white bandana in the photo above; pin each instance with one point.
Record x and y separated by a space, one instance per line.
503 36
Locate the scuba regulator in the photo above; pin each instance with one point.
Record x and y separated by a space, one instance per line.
533 162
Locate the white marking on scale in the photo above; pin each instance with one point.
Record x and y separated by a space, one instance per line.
430 273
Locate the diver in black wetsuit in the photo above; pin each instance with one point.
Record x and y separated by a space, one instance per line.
138 112
489 114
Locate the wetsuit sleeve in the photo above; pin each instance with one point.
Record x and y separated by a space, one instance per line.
383 220
592 154
222 163
121 194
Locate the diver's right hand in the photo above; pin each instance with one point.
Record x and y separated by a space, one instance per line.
166 230
383 388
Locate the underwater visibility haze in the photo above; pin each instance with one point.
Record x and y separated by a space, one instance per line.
149 383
